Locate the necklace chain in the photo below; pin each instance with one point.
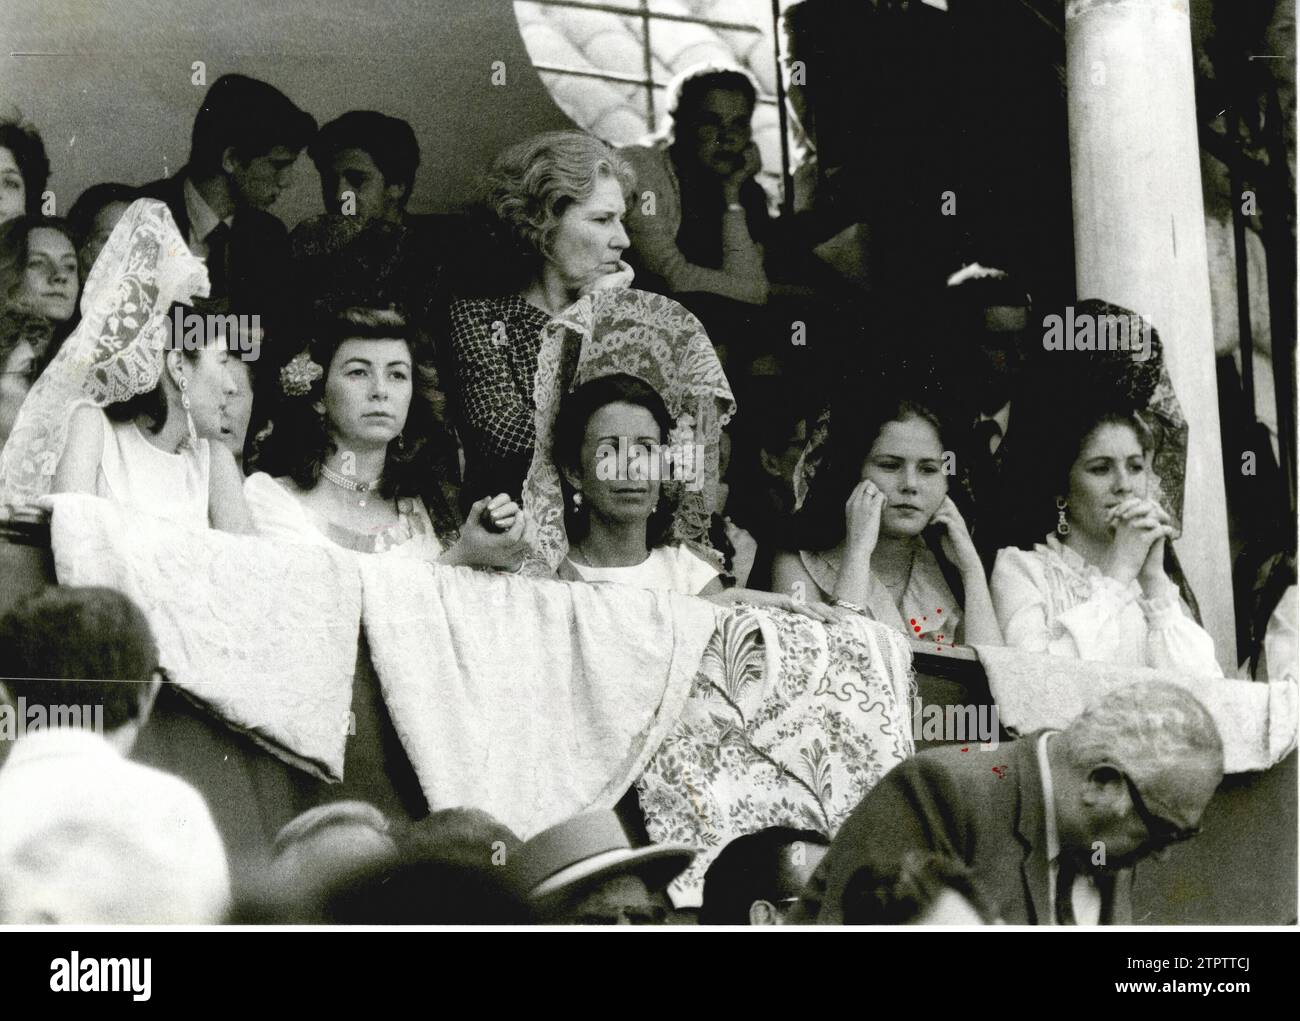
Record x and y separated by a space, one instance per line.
905 579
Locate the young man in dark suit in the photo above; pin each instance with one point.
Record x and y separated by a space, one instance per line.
1052 824
988 319
247 136
367 162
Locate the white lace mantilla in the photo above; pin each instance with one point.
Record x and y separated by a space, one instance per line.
655 339
117 349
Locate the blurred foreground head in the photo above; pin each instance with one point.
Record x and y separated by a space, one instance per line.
87 836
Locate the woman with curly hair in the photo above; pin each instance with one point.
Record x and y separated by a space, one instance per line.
350 460
557 202
24 169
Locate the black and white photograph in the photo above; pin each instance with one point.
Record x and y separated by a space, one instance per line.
527 464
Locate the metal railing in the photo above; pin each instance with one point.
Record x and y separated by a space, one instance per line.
647 80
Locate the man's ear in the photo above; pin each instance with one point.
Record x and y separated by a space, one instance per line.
229 161
763 912
395 198
1104 790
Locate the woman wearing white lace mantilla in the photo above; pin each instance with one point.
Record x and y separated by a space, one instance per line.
631 402
124 410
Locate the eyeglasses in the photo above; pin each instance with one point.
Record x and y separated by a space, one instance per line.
1162 832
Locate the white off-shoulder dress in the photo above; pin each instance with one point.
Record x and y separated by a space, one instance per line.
278 514
1050 600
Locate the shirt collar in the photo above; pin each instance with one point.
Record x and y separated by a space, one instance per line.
1072 559
1049 800
203 219
58 742
1002 417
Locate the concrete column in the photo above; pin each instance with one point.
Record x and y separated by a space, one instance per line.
1139 239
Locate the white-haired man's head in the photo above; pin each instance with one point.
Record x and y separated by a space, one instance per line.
1134 773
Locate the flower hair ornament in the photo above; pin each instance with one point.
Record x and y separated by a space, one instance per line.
299 374
656 340
116 351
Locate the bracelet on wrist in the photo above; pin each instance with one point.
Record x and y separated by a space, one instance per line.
844 604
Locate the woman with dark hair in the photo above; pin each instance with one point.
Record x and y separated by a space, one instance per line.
879 534
631 401
557 201
93 217
24 169
22 334
616 446
1097 589
356 416
152 451
125 407
38 270
610 444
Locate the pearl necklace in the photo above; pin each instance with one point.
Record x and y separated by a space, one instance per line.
343 482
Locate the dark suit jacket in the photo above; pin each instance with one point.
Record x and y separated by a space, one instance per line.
1001 503
258 260
952 802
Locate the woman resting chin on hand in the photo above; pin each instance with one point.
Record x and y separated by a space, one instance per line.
868 551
